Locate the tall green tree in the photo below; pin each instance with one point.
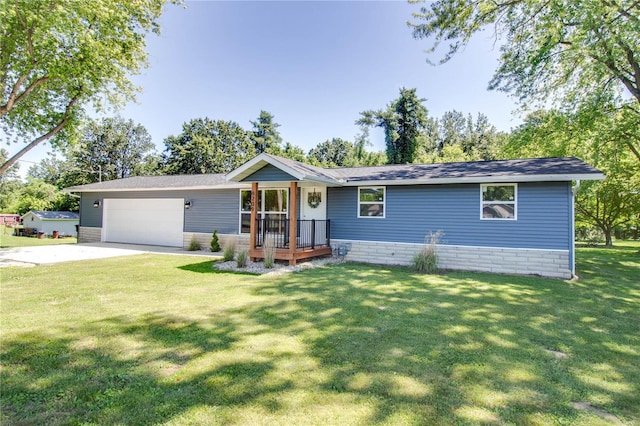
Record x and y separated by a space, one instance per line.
58 56
583 54
207 146
36 194
601 141
403 122
265 135
112 148
10 185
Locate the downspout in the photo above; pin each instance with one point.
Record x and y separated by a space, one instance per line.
574 190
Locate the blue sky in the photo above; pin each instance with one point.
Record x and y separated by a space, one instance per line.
314 65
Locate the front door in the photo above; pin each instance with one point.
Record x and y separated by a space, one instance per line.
313 205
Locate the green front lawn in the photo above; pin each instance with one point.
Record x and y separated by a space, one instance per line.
154 339
8 240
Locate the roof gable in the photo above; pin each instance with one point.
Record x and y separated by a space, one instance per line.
299 171
269 173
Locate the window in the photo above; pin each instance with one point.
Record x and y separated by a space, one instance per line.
371 201
275 202
498 202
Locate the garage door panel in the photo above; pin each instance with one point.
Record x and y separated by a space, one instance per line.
144 221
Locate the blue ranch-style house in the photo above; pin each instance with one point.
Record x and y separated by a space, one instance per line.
511 216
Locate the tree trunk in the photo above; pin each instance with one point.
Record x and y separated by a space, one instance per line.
607 237
65 118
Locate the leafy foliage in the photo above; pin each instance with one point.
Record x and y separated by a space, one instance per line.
265 135
333 153
403 122
115 147
58 56
582 55
207 146
599 139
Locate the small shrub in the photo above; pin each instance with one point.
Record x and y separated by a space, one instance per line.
215 243
241 260
229 250
269 248
426 260
194 245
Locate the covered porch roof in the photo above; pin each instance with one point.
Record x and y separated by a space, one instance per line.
266 168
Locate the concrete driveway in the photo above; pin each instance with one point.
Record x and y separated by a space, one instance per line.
41 255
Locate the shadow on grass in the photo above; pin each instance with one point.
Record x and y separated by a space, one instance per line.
208 268
446 349
48 379
463 347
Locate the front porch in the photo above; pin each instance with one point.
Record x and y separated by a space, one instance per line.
287 206
291 238
312 239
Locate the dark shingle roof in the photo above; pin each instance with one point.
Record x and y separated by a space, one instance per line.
468 170
55 215
567 168
156 182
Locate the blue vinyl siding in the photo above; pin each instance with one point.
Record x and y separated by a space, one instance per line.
211 209
269 173
414 211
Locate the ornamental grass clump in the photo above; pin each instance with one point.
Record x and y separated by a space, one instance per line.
194 245
229 250
269 249
241 259
426 260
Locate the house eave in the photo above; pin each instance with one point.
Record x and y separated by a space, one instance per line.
238 185
476 179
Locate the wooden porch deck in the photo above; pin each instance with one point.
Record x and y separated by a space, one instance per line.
292 257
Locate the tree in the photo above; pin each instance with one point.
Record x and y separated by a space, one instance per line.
114 147
599 140
10 185
57 56
403 122
458 137
293 152
585 55
333 153
207 146
36 194
265 135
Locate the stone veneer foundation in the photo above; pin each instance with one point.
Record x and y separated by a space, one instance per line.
547 263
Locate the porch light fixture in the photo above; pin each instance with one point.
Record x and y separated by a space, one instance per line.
187 204
96 204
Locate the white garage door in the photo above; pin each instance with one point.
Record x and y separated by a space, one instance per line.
156 221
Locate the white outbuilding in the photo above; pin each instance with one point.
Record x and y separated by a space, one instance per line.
48 222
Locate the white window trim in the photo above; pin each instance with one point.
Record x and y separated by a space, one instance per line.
514 202
261 213
384 202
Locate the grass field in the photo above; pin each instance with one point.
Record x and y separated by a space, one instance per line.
154 339
8 240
